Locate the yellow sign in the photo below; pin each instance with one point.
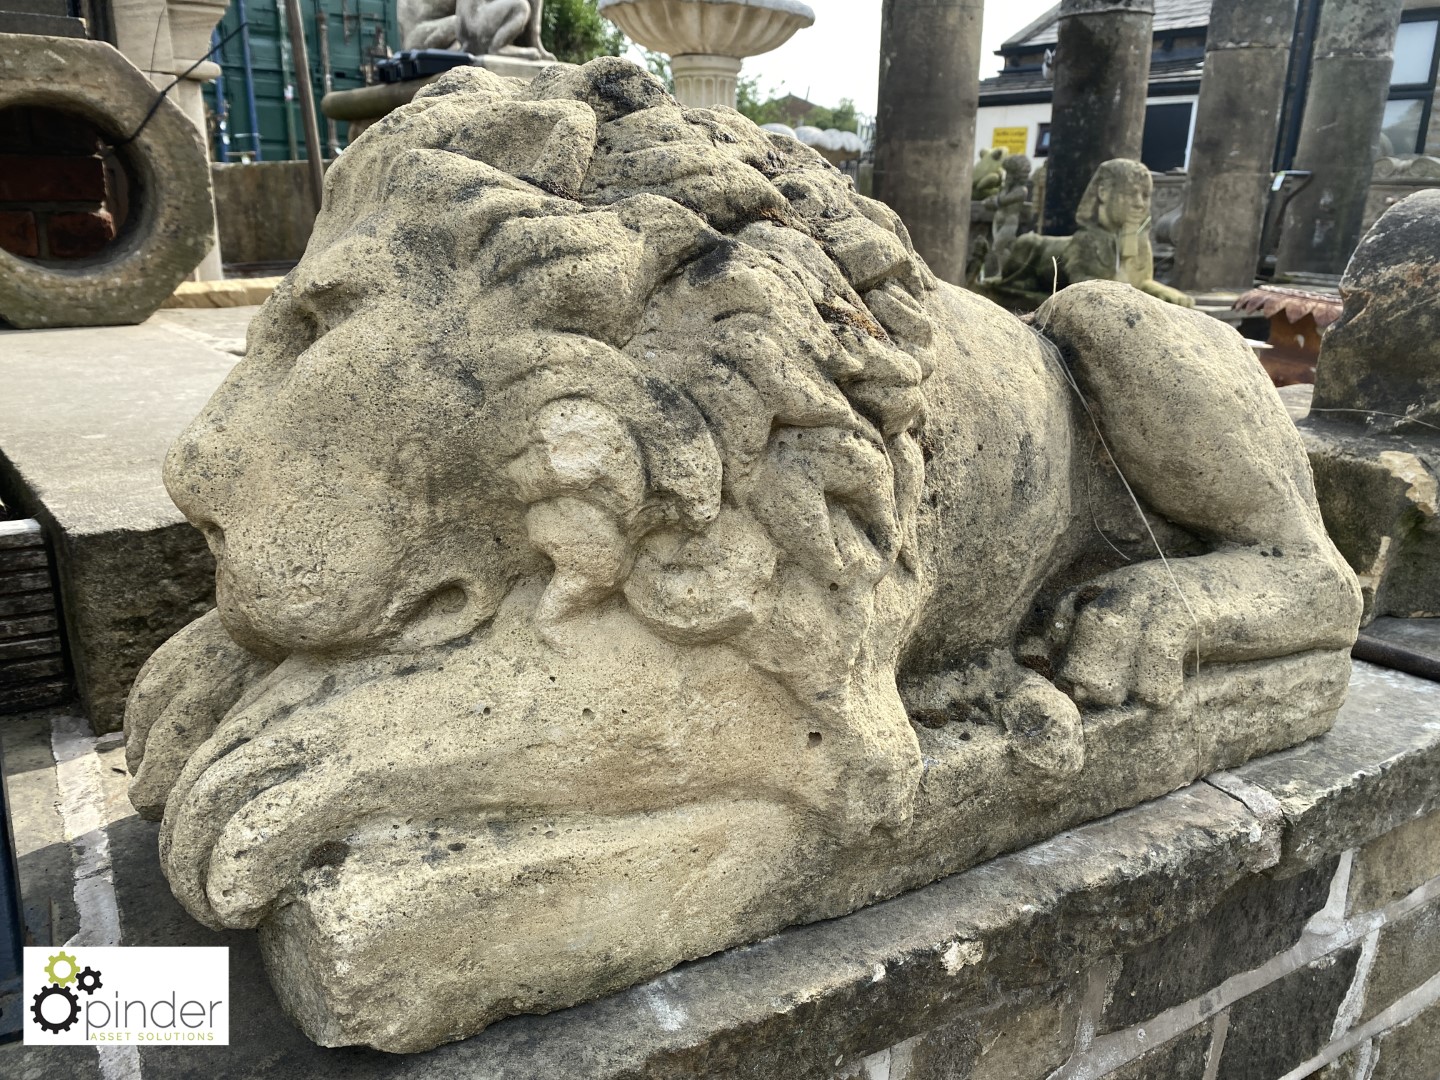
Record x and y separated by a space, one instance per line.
1013 140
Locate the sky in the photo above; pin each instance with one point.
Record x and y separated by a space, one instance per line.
839 56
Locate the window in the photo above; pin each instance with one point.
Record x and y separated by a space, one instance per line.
1167 136
1042 141
1412 84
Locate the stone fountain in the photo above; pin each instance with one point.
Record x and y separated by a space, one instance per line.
707 39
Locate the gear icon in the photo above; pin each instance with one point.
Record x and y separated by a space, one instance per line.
37 1010
62 957
89 980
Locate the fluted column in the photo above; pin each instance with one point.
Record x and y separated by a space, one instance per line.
703 80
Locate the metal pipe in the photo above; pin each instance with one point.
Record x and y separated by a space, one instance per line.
1302 57
301 61
249 78
322 35
1389 654
222 106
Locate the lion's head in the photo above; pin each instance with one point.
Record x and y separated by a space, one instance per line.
572 329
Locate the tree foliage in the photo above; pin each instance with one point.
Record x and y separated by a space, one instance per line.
658 64
769 110
575 32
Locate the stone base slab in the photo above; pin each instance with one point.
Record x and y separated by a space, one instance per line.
1275 920
1380 496
86 418
745 869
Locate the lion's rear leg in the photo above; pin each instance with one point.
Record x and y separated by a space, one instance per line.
1041 723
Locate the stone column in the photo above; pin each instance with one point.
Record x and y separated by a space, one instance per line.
163 38
1349 82
1242 93
1102 77
925 123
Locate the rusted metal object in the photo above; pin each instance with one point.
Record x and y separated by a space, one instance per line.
1298 319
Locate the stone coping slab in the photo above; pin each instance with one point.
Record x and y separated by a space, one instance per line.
1375 771
813 1001
86 418
232 292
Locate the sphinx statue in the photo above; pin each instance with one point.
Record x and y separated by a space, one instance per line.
626 548
1112 242
498 27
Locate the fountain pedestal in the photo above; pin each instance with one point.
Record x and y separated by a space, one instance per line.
705 40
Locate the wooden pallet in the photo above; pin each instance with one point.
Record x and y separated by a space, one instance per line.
32 655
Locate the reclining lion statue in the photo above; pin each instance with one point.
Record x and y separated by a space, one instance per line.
627 548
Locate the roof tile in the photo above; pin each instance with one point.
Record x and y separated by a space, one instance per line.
1169 15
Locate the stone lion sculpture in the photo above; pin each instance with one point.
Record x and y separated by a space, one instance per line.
627 548
1111 242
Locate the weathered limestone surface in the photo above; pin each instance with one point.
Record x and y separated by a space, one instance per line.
85 419
718 570
925 124
1397 863
264 210
1373 431
1247 56
171 226
1383 356
1349 83
1102 73
1365 781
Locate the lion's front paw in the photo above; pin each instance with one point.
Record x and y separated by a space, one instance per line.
179 697
1044 728
214 845
1129 635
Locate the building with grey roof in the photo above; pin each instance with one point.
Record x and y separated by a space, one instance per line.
1015 105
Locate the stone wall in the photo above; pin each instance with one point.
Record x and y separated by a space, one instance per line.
264 211
1396 177
1330 973
1325 964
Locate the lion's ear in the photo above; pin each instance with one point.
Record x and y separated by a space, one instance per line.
584 480
590 552
582 448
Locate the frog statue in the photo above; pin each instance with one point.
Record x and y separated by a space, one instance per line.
627 548
1112 241
988 177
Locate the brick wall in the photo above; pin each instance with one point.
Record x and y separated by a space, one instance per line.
60 196
1331 973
